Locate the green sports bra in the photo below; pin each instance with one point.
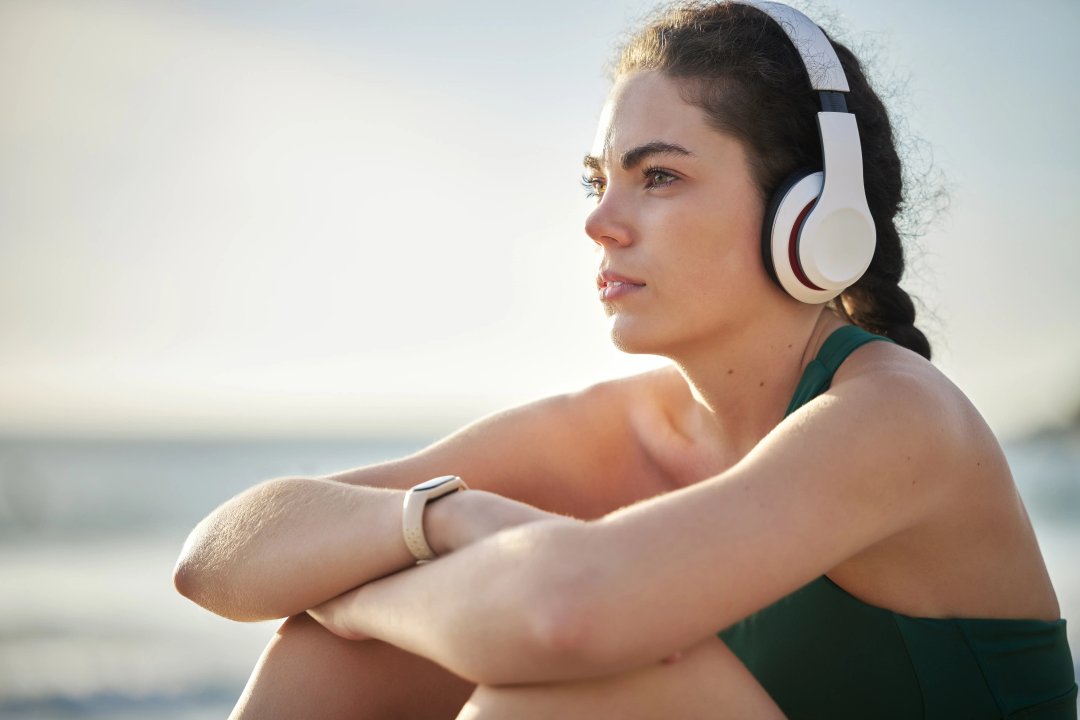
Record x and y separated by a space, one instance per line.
821 653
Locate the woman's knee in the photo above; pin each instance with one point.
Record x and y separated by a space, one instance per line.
707 682
307 671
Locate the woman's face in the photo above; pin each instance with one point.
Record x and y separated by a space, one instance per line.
678 222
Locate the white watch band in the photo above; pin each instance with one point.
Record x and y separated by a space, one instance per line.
412 515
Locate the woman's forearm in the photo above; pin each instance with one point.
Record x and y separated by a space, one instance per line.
285 545
500 611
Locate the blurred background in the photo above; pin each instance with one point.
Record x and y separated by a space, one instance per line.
254 238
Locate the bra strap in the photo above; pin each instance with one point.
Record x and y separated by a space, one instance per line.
819 373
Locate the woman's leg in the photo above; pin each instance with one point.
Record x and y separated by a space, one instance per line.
708 682
308 672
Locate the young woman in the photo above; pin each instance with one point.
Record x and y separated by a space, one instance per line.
800 517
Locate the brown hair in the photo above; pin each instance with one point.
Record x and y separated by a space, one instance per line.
735 63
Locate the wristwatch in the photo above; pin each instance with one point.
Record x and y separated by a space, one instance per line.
412 516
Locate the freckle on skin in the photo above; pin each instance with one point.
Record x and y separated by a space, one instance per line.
730 371
761 385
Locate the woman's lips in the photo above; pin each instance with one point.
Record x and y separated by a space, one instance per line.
612 286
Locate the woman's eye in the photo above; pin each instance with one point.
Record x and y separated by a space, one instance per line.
656 178
594 186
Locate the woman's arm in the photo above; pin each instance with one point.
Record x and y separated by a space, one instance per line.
288 544
560 600
338 537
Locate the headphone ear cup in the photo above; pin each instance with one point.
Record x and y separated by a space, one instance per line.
769 221
784 216
781 236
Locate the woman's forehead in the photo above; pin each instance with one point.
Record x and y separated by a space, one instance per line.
647 107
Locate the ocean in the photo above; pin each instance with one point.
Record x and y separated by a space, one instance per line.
91 627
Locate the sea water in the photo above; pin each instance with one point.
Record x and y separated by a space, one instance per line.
91 627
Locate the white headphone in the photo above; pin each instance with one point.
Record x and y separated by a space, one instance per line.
818 237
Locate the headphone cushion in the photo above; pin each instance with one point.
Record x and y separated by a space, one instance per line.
768 225
786 227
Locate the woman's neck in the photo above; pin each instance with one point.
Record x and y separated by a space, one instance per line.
743 384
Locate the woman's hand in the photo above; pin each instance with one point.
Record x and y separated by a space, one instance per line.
337 616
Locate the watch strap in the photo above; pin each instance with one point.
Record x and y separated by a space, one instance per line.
412 516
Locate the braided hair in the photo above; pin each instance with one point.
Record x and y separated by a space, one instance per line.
737 65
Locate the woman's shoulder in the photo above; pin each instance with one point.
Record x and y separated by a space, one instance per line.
640 404
658 385
892 376
584 445
940 456
650 402
886 383
659 420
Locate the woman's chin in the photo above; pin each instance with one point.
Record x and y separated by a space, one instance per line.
631 336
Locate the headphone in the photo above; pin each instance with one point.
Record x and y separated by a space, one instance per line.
818 236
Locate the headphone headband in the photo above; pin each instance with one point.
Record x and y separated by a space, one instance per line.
814 48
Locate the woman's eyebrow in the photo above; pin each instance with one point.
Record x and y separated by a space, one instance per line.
635 156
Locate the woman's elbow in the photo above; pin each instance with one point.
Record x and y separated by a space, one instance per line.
185 580
212 592
189 573
541 648
195 580
557 637
193 585
200 576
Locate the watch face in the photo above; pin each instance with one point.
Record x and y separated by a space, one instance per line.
435 482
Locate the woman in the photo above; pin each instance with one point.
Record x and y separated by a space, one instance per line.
794 519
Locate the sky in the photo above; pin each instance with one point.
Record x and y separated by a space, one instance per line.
363 218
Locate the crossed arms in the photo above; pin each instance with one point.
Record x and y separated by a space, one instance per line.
529 595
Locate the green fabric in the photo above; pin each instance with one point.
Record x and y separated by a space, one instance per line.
818 374
822 653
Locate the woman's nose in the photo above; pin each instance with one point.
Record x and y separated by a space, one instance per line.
605 226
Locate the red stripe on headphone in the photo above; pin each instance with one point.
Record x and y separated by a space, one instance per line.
793 250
